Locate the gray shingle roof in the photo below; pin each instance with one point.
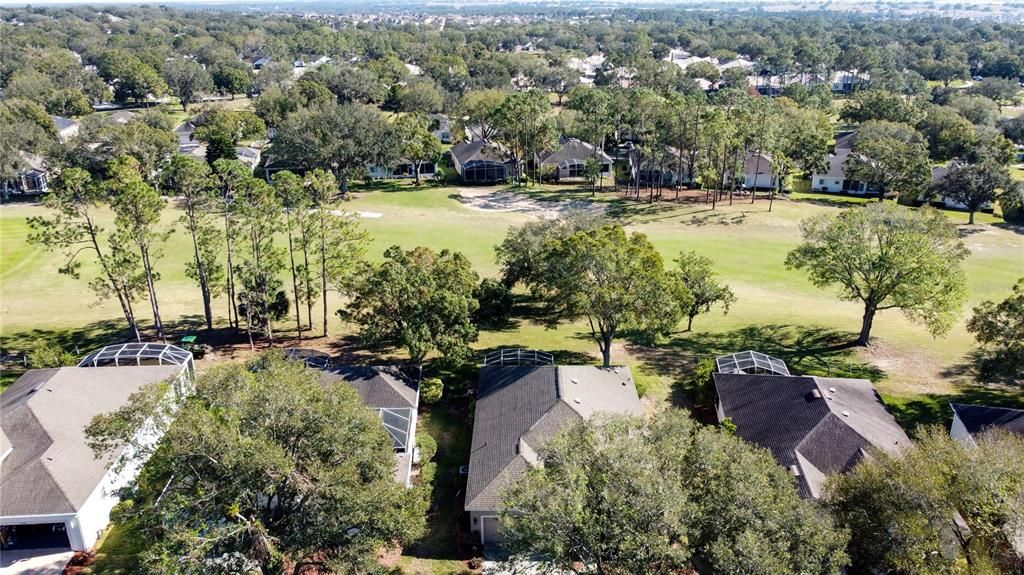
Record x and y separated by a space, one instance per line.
63 123
519 408
43 415
978 418
479 150
809 428
378 386
572 149
394 395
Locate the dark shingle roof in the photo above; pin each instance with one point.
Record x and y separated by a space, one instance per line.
813 426
378 386
519 408
978 418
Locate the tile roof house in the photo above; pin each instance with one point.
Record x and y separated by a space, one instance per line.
971 420
813 426
394 395
518 409
568 162
48 473
482 161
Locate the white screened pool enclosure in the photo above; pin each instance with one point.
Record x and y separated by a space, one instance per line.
752 363
123 354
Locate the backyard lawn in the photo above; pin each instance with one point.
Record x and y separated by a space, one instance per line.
777 308
778 311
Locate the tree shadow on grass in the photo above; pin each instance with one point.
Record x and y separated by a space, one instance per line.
914 412
79 341
840 201
1015 228
806 351
983 366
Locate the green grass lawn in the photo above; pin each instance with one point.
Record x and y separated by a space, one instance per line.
778 310
748 244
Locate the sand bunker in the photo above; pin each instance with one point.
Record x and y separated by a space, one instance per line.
505 201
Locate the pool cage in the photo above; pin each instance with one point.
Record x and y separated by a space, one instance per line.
518 356
311 357
398 423
751 362
124 354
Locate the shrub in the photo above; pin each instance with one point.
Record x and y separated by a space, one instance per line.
431 390
428 447
427 473
45 354
702 382
495 302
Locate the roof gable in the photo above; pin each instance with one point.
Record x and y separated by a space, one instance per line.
573 149
979 418
51 469
520 408
827 423
480 150
380 387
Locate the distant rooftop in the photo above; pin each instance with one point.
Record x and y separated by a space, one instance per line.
980 418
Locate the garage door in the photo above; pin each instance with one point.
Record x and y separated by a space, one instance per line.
491 530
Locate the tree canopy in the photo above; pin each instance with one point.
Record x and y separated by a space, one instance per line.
617 282
418 300
619 494
887 257
263 467
939 507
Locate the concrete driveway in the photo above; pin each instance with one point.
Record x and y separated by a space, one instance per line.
44 561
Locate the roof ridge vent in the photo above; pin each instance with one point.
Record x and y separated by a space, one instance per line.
846 413
576 400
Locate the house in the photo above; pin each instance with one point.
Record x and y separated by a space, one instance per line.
33 179
569 161
521 404
403 168
311 62
441 127
586 67
482 161
66 128
684 59
121 117
758 173
655 168
50 480
394 395
813 426
971 420
939 173
847 81
259 62
834 180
